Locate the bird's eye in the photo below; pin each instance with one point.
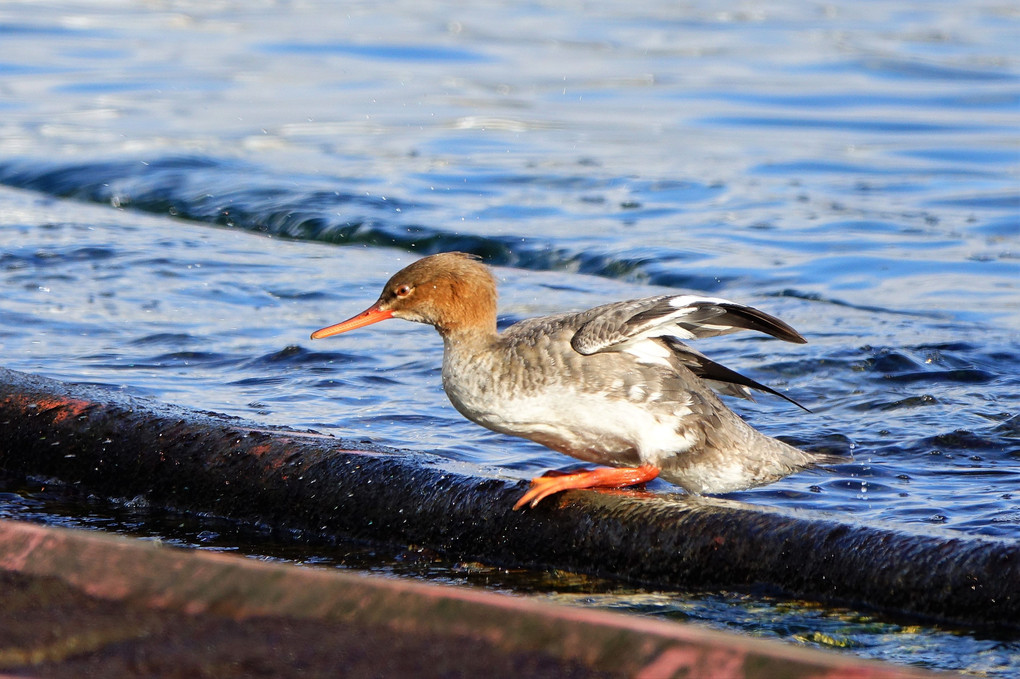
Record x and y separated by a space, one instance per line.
403 291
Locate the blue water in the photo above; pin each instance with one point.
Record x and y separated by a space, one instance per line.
187 192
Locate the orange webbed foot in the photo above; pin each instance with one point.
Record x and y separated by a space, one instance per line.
603 477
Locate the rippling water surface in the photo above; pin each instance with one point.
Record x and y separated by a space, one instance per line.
189 189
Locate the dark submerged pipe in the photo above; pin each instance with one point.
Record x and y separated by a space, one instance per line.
327 489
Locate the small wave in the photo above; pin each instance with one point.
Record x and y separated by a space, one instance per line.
384 52
950 362
167 338
962 440
844 124
293 355
971 376
815 297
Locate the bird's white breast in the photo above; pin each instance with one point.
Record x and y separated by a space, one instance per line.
595 427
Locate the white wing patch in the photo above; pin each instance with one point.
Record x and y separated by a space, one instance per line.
681 301
647 351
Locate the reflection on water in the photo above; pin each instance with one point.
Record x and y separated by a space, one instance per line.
256 171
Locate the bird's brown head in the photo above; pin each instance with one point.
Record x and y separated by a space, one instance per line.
452 291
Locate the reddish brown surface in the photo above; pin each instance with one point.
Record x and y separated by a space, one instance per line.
84 604
61 408
52 630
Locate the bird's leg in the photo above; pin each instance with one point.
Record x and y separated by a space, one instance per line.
603 477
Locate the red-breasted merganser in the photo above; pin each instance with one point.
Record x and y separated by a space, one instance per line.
613 385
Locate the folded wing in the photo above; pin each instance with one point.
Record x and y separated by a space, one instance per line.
668 319
683 316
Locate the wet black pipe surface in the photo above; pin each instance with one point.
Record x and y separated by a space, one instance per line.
330 489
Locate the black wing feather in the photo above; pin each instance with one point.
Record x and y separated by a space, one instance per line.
707 369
